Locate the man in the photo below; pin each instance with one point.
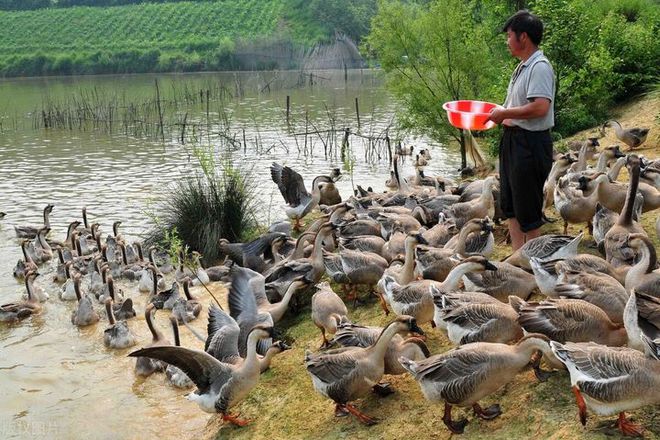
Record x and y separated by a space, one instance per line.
527 117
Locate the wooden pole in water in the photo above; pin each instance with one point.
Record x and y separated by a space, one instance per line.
183 128
160 111
288 108
389 147
344 143
345 74
357 111
244 142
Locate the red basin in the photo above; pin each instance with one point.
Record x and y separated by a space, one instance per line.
470 115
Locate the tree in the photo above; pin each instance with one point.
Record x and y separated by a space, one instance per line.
433 53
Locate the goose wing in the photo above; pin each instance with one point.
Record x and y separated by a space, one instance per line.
608 374
351 335
202 368
648 314
223 333
477 319
639 133
290 183
333 366
558 319
543 247
458 373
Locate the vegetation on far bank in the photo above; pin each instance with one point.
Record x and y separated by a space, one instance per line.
173 36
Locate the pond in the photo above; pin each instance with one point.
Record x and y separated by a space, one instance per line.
60 381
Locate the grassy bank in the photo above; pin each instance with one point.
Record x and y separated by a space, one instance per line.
285 406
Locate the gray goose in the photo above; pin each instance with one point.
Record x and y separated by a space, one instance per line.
465 375
28 231
220 386
346 374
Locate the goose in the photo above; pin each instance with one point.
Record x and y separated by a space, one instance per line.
602 221
32 231
596 288
291 186
544 248
546 273
435 264
481 322
122 308
399 150
645 269
573 206
426 154
465 375
613 195
312 268
220 386
346 374
186 310
182 272
166 298
37 293
268 245
633 137
414 348
420 161
442 300
84 314
71 228
506 280
642 311
441 233
117 335
650 176
617 252
328 311
147 365
222 341
355 268
246 282
463 212
174 374
405 273
68 291
559 168
329 192
17 311
200 275
363 243
26 264
161 260
610 380
395 244
416 298
43 251
244 310
146 282
572 320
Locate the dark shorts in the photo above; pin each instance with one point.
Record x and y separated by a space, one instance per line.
525 162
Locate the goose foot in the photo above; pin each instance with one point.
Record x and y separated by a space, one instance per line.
362 417
383 303
582 406
628 428
326 343
383 389
433 325
341 411
234 420
489 413
458 426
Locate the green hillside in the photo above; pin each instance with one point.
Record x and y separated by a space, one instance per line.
181 36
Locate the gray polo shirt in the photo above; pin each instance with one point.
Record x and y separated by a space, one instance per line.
533 78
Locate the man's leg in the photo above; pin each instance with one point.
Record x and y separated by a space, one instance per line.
532 234
517 236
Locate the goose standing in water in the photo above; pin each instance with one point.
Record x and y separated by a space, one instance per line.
31 231
188 309
84 314
174 374
17 311
346 374
26 264
147 365
220 386
465 375
612 380
117 335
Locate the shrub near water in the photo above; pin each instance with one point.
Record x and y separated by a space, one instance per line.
216 203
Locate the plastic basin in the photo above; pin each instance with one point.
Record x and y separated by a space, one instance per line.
470 115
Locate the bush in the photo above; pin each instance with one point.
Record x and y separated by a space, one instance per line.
217 203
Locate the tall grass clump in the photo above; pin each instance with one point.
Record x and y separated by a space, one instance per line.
217 202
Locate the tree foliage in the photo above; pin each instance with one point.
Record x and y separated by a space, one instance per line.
603 51
432 54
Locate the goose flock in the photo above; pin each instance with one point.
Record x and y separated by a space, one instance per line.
422 250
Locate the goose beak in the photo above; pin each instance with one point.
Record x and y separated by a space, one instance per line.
421 240
270 331
490 266
412 325
618 153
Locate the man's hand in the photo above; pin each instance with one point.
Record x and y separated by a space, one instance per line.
497 115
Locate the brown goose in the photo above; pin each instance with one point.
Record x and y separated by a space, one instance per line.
633 137
17 311
146 366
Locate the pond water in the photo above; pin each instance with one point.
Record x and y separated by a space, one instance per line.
58 380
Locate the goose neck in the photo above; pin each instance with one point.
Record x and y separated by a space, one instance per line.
156 335
455 276
380 347
626 216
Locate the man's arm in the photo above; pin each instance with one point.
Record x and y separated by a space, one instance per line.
536 108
